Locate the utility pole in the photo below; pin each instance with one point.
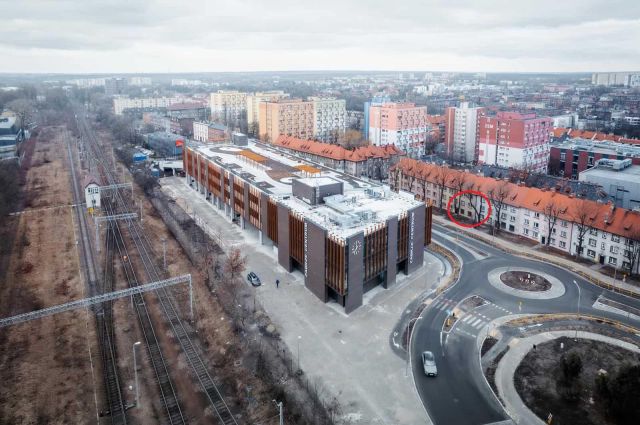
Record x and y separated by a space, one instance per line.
280 411
164 253
579 296
135 372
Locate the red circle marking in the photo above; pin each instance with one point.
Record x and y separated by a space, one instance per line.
472 192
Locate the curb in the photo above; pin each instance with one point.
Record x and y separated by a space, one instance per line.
570 267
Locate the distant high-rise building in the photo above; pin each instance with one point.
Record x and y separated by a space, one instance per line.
460 132
515 140
329 117
228 105
254 100
402 124
289 117
115 86
616 78
376 101
317 118
139 81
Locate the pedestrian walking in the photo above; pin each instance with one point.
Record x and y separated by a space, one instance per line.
277 283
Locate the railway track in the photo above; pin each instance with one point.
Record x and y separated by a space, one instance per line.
166 300
116 406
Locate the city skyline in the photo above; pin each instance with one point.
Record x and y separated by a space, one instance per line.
143 36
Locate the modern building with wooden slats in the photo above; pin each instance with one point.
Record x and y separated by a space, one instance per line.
345 235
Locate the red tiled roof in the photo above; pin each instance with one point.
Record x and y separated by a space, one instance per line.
606 217
337 152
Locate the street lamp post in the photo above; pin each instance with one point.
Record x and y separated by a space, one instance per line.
280 411
406 369
135 372
299 338
579 296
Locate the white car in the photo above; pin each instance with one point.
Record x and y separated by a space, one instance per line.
429 364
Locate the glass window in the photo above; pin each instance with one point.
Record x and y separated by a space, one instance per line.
563 244
614 250
613 261
592 242
591 253
615 238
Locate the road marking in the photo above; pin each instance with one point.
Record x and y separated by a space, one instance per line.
479 325
466 318
475 322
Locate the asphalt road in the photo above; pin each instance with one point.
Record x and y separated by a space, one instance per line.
460 395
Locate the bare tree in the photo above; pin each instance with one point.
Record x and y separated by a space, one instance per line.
471 198
459 182
632 251
498 196
442 178
551 213
584 213
352 139
235 263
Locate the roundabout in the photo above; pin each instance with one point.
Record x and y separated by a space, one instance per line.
527 282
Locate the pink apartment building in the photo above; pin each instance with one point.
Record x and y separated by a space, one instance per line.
402 124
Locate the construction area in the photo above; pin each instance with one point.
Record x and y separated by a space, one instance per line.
195 348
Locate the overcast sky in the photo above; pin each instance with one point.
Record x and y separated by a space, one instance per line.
261 35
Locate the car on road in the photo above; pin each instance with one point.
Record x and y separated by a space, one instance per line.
429 364
254 279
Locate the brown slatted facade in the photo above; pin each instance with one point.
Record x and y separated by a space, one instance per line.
296 238
403 237
214 180
272 221
375 251
254 206
202 175
226 188
238 196
335 267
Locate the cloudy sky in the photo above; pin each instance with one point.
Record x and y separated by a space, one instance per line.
260 35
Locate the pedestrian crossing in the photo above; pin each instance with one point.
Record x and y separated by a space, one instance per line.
444 304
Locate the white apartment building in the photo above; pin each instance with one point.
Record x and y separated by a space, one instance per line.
228 105
121 103
609 234
460 132
329 116
253 103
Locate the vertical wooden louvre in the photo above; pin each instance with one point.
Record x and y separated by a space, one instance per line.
335 267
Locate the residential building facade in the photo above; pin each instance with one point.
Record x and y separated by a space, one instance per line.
460 133
593 230
329 116
402 124
289 117
253 102
141 104
208 132
228 105
514 140
366 161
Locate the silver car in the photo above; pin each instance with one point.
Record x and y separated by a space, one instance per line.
429 364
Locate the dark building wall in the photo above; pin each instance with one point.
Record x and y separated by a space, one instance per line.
392 252
355 273
284 258
416 238
330 189
264 205
315 260
308 193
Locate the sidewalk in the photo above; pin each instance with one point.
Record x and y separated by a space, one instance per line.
350 355
583 270
519 348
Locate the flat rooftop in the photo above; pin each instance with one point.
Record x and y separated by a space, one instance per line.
362 205
605 147
631 173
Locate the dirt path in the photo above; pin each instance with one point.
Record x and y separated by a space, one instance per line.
46 365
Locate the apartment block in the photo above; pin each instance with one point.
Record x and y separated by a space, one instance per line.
208 132
122 104
514 140
329 116
289 117
345 238
254 100
460 132
228 105
402 124
606 234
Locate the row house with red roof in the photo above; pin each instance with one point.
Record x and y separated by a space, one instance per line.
593 230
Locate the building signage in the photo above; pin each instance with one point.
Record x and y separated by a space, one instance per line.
412 225
306 262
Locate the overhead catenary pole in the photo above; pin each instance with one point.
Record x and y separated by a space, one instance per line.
135 373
